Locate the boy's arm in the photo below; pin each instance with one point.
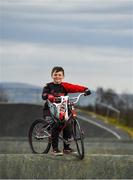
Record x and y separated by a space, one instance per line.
73 88
45 92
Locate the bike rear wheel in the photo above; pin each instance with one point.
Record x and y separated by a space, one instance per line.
39 136
78 137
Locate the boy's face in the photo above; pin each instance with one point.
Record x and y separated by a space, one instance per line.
57 77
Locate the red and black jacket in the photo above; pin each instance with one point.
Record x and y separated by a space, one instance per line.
62 88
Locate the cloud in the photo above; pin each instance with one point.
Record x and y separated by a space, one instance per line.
91 39
68 6
90 65
68 22
75 36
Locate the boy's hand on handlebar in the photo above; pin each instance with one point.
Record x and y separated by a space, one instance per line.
87 92
51 98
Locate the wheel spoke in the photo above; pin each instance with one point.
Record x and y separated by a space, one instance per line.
39 137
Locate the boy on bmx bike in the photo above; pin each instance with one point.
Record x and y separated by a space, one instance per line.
51 92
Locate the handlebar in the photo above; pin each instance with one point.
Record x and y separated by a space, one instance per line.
58 99
77 98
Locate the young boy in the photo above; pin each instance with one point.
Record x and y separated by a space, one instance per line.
53 89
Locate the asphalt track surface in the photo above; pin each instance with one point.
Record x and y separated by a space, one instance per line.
98 128
15 121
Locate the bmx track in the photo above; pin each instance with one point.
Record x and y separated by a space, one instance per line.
108 151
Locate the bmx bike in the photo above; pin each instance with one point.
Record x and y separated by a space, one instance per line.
63 112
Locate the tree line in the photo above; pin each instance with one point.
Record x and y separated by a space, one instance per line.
109 103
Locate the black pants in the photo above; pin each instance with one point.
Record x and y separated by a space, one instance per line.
56 129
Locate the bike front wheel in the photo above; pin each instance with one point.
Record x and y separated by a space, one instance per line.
39 136
78 137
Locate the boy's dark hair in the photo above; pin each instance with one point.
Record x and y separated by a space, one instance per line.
57 69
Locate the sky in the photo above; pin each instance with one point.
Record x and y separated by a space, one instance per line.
91 39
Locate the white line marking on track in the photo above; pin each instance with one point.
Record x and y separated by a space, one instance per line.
101 126
113 155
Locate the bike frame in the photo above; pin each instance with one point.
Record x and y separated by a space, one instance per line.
60 111
68 117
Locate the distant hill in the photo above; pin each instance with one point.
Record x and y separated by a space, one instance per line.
17 85
26 93
22 92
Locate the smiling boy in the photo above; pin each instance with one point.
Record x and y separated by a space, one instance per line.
57 88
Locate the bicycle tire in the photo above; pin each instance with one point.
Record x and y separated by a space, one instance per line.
36 139
78 138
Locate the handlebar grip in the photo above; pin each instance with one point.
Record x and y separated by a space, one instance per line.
87 92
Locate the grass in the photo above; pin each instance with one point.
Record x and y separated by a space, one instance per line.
112 121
